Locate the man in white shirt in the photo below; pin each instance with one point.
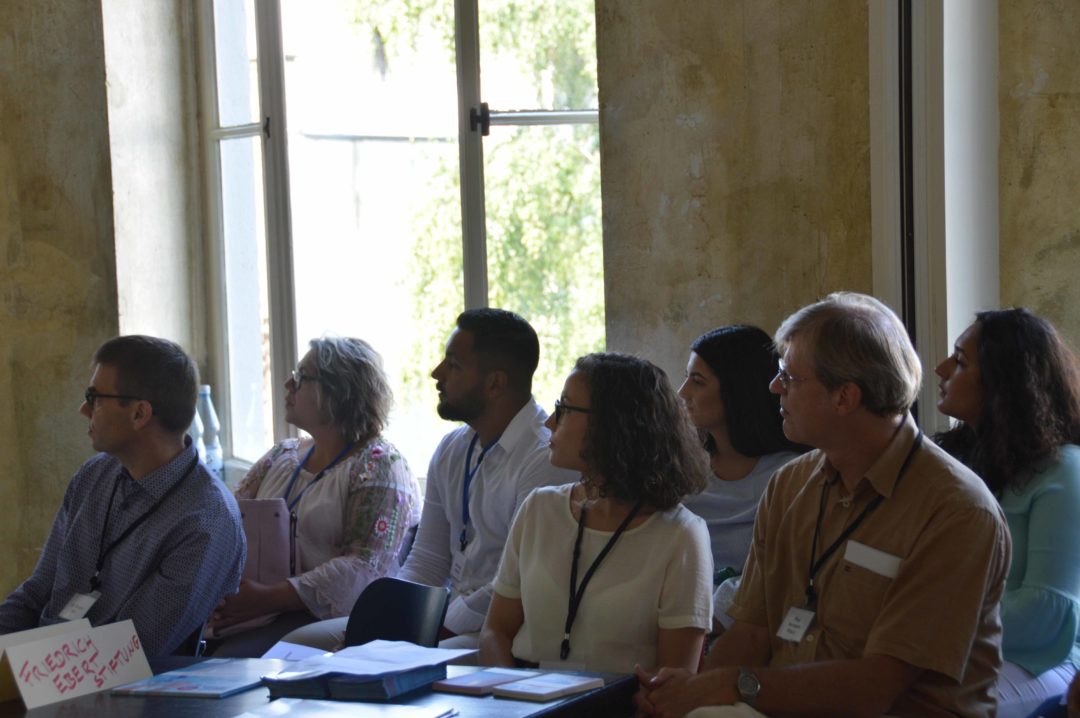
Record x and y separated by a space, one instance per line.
481 472
489 465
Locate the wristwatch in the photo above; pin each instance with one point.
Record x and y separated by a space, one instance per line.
748 686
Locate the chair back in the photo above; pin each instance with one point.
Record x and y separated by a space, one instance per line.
395 610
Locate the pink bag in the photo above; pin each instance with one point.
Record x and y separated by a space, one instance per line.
269 545
266 526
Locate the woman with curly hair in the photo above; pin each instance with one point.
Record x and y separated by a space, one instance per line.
1014 386
612 571
350 493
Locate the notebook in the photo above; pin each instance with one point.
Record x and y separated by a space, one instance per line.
547 687
480 683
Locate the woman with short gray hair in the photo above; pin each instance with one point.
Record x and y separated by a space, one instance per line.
351 496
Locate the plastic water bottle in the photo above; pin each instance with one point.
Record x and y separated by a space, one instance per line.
196 434
211 433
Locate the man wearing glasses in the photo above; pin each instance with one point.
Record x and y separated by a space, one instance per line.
144 531
878 561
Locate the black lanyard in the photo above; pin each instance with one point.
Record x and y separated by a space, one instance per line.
815 565
576 593
463 539
292 504
103 552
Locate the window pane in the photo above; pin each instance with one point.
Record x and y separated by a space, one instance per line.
538 54
371 95
544 242
236 55
247 316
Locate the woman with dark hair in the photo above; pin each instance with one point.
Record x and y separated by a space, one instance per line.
350 492
611 571
727 396
1014 386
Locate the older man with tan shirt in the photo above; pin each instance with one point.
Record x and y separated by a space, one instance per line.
878 561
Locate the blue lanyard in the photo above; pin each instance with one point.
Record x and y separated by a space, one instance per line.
469 474
292 504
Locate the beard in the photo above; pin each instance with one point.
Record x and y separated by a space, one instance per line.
467 408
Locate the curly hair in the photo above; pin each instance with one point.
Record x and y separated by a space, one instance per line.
744 360
1031 400
352 387
639 440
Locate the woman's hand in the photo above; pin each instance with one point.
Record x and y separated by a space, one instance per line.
504 619
255 599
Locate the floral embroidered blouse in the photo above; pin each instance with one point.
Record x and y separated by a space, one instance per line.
350 524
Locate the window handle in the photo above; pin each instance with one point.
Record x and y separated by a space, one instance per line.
478 118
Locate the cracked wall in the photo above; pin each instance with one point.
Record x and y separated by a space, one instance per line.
736 164
57 269
1039 184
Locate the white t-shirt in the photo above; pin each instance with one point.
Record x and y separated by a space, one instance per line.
657 575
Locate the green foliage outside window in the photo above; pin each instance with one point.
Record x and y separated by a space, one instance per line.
542 184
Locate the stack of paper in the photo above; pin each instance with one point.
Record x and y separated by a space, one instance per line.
377 670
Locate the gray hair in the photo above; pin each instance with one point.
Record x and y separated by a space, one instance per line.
352 387
854 337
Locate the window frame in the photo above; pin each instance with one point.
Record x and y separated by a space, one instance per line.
273 130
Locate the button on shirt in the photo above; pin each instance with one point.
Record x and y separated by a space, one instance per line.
167 575
517 463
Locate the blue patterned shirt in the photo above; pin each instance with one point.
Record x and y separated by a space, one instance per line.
167 575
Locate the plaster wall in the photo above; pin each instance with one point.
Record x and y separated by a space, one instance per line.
1039 99
736 166
57 274
149 54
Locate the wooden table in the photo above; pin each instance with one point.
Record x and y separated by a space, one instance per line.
613 700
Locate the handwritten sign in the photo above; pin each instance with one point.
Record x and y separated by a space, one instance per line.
8 690
75 663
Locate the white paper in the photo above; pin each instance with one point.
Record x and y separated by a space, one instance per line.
378 657
872 559
293 651
36 634
76 663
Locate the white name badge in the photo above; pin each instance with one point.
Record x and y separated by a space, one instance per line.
79 605
457 568
796 623
872 559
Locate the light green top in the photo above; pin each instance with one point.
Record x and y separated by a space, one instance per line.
1041 606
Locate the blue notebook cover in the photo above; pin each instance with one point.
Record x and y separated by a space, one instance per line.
213 678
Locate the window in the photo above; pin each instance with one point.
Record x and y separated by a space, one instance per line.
360 184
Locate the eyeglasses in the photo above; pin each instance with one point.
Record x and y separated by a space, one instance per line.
785 379
299 377
92 396
561 409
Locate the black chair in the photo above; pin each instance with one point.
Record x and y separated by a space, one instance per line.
394 610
